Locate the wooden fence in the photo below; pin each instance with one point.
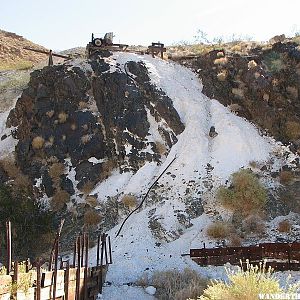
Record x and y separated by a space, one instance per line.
66 280
279 256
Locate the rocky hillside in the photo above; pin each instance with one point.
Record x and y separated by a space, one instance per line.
261 85
12 54
91 136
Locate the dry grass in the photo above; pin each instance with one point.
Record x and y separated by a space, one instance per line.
245 195
161 148
286 177
218 230
284 226
234 240
62 117
59 200
91 218
38 142
17 64
129 201
107 168
91 201
73 126
246 285
87 187
177 285
238 92
292 130
82 105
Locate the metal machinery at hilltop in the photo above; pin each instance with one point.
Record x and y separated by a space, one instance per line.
105 43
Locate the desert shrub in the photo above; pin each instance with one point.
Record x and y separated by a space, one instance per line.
246 194
238 92
56 170
73 126
161 148
221 61
87 187
82 105
285 177
129 200
246 285
218 230
91 201
284 226
107 168
91 217
38 142
252 64
85 138
234 240
253 224
253 164
177 285
30 222
222 75
59 200
62 117
292 130
274 62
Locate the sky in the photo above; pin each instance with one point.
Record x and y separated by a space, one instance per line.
64 24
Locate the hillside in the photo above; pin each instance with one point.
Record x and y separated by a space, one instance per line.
91 136
12 54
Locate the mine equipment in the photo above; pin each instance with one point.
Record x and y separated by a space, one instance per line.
106 43
157 48
49 53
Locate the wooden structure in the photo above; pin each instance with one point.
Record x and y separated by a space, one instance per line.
62 280
157 48
105 43
49 53
280 256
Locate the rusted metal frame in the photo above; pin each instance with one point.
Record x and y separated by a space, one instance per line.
47 52
86 267
74 253
8 247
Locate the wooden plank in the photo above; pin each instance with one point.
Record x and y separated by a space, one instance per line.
47 278
72 275
46 292
5 283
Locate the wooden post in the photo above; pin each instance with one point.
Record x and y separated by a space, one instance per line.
86 266
15 278
8 246
98 249
67 277
38 280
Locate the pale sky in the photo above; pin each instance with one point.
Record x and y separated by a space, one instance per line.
63 24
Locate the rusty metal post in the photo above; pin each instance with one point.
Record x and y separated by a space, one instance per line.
77 296
109 247
38 280
55 269
67 278
102 248
86 266
8 247
98 249
50 61
75 251
82 248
